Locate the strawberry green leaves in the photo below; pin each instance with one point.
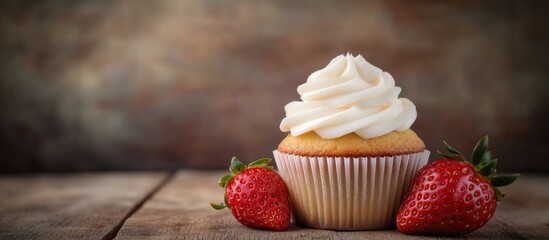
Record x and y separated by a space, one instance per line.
500 181
485 157
262 162
454 153
223 181
482 161
479 151
236 166
452 149
452 156
218 206
488 169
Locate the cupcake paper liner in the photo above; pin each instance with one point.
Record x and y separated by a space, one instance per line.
346 193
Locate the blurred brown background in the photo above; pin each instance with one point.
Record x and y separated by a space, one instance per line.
127 85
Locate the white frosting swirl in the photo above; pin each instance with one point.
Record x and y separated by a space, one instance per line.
349 95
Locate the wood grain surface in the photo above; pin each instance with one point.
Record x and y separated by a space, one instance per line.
180 210
165 206
71 206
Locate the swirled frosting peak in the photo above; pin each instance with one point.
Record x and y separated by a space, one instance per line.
349 95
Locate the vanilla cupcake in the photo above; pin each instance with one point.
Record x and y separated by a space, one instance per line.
350 153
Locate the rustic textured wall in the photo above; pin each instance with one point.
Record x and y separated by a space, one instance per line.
89 85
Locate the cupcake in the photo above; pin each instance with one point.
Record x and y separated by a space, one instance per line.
350 153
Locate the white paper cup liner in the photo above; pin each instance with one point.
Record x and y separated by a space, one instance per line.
345 193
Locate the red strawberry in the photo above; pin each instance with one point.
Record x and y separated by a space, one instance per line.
256 195
451 195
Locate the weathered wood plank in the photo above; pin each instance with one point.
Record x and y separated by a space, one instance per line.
70 206
181 211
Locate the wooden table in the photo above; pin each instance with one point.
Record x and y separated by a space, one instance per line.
161 205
